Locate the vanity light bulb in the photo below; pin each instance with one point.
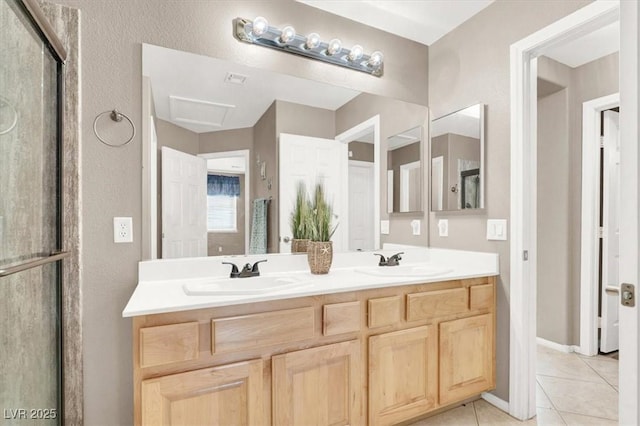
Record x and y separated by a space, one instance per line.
356 53
260 26
313 41
376 59
335 46
288 34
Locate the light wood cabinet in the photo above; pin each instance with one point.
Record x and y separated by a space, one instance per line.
403 374
372 357
226 395
466 357
318 386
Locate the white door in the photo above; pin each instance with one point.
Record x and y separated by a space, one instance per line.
437 182
184 204
611 234
360 205
410 187
312 160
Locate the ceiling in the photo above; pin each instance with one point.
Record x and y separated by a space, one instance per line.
589 47
421 21
194 91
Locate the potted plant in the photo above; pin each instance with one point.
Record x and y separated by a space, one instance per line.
300 220
321 229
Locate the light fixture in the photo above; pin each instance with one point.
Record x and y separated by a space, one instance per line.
311 46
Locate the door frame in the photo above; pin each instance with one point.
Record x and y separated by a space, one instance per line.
366 127
246 154
590 224
523 285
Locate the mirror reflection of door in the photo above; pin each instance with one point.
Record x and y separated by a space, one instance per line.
404 155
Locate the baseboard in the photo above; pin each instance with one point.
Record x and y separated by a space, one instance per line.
500 404
557 346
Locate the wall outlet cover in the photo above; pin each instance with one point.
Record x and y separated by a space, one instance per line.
415 227
122 230
443 227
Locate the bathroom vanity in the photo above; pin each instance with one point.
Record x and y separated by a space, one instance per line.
358 346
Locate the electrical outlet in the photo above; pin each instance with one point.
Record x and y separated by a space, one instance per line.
122 230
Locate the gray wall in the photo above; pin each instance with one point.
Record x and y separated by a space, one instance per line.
559 200
361 151
111 66
225 140
470 65
554 307
396 116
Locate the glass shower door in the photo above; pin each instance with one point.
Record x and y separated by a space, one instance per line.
30 222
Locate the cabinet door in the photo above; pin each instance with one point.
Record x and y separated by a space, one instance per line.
318 386
466 357
403 374
226 395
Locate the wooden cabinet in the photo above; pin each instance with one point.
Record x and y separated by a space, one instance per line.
466 357
372 357
403 374
226 395
318 386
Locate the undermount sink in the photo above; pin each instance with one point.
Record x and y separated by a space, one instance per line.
404 271
242 286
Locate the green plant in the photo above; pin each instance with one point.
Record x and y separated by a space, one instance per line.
321 217
300 215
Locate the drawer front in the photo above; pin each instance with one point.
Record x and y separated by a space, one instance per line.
385 311
340 318
166 344
481 297
264 329
433 304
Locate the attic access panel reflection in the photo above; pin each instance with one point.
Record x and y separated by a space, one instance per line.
457 160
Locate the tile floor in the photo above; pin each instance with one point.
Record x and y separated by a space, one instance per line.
572 390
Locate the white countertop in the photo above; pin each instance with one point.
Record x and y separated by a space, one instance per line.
161 282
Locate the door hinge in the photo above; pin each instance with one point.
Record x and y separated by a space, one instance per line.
525 255
601 232
627 295
601 141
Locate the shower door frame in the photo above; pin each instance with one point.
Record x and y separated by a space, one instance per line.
70 360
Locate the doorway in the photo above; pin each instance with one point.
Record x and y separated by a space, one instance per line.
523 250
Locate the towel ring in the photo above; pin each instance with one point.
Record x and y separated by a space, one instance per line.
3 102
116 116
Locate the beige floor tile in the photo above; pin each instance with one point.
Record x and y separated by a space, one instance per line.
565 365
591 399
606 367
490 415
572 419
548 417
464 415
542 401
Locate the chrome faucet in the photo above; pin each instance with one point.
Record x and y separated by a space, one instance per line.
248 270
393 260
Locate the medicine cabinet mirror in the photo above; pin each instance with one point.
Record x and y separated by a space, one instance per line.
457 160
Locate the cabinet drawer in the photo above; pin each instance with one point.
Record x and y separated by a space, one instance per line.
384 311
481 296
166 344
432 304
339 318
264 329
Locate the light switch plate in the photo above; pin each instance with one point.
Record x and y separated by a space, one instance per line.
384 227
415 227
443 227
497 229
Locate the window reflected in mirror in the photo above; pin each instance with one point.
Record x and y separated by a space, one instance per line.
457 160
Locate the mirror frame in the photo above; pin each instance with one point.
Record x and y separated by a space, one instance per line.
481 120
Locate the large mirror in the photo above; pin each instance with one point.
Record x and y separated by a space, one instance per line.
404 171
228 144
457 160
